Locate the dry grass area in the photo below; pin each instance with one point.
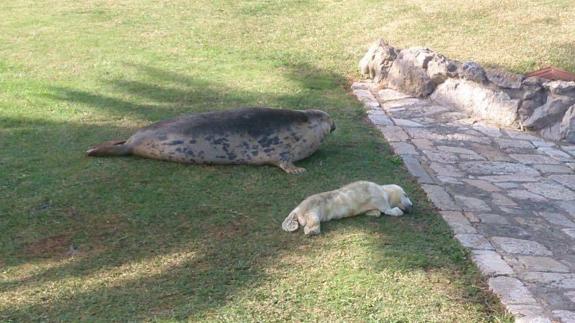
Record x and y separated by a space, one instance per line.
134 239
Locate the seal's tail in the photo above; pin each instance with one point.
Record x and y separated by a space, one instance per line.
110 148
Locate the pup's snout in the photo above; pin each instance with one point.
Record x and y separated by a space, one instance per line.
406 203
332 129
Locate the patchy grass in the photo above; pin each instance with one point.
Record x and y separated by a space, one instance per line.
135 239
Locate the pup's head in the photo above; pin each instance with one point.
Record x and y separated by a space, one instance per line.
398 197
323 119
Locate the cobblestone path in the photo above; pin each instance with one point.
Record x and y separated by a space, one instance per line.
508 196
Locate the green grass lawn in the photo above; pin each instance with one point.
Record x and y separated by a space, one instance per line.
135 239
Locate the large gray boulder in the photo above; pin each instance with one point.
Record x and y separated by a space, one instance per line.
567 126
549 113
533 96
376 63
482 102
503 78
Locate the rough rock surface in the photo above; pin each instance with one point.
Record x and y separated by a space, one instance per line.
494 95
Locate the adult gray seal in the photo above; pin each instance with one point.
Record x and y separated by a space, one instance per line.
254 136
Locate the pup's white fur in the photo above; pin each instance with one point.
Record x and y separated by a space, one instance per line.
353 199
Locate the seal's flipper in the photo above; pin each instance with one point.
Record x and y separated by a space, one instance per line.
290 168
110 148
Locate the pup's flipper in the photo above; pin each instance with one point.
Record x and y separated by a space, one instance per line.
110 148
290 223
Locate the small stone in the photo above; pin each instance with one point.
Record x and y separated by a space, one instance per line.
471 204
492 218
440 198
490 263
520 246
393 133
483 185
542 264
511 290
415 169
402 148
474 241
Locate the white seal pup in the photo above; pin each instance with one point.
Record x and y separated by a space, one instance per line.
351 200
254 136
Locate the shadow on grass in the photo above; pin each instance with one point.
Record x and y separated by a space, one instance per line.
134 211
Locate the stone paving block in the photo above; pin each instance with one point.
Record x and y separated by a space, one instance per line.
497 168
555 153
523 135
543 143
557 219
404 103
505 185
402 148
379 118
445 170
488 130
564 316
414 168
543 264
511 290
570 232
551 280
406 123
457 222
512 143
423 144
553 169
448 179
471 204
441 157
360 86
567 180
551 191
490 263
568 206
471 217
520 246
500 199
490 152
440 198
571 295
391 95
528 313
492 218
393 133
526 195
529 159
474 241
483 185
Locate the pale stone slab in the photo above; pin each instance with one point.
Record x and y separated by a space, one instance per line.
526 195
512 143
457 222
520 246
391 95
497 168
543 264
471 204
564 316
360 86
400 103
551 191
414 168
458 150
507 185
441 157
570 232
489 130
502 200
474 241
393 133
557 219
402 148
511 290
379 118
483 185
567 180
406 123
440 198
492 218
445 170
423 144
551 280
555 153
490 263
533 159
471 217
553 169
448 179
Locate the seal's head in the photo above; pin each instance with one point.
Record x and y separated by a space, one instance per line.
323 119
398 197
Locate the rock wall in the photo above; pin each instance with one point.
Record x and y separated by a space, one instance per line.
493 95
